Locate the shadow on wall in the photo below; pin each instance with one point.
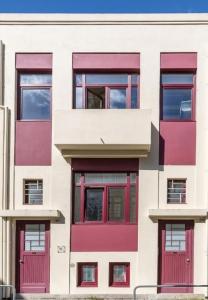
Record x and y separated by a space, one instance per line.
152 160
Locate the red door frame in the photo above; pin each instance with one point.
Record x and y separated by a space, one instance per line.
189 227
20 229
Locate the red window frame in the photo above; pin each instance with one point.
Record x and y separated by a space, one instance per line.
113 283
127 189
80 281
166 86
21 87
107 87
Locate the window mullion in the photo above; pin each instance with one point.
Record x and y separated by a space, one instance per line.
129 92
127 199
105 204
82 204
83 91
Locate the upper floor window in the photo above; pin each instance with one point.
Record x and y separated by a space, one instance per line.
97 91
176 191
33 191
34 95
105 197
177 96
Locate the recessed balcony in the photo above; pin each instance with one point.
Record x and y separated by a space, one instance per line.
103 132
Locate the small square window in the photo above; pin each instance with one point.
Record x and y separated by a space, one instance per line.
87 274
33 191
176 191
119 275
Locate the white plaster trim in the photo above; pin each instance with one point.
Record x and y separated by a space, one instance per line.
30 213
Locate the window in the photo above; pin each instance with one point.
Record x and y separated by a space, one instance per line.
175 237
96 91
176 191
33 191
87 274
34 96
177 96
35 237
119 274
105 197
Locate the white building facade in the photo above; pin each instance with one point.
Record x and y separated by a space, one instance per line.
103 152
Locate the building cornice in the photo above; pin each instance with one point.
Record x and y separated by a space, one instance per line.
103 19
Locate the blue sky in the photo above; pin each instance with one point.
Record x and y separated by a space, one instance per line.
103 6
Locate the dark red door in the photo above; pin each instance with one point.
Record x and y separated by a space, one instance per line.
32 275
176 255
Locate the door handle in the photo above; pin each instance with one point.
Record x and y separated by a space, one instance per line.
188 260
21 261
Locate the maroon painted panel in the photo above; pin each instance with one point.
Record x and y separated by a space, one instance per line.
32 267
176 266
178 61
177 143
106 61
103 238
40 61
33 143
105 164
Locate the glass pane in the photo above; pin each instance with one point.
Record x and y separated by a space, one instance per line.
107 79
77 178
93 204
34 237
88 273
117 98
133 177
96 98
175 237
134 97
105 178
119 273
79 98
116 198
38 79
78 79
132 204
35 104
177 104
134 79
177 78
77 198
176 191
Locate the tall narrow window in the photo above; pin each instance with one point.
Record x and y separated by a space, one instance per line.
177 96
33 191
34 94
96 91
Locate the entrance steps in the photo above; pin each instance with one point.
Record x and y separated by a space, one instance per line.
110 297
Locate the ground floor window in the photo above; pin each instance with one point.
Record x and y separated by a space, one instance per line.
119 274
87 274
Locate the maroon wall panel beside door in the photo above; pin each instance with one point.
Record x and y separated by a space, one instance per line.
103 237
33 143
177 143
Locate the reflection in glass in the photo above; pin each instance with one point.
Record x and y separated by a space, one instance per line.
134 97
177 78
177 104
79 97
94 204
117 98
78 79
77 198
116 204
119 273
35 104
132 204
88 273
96 98
39 79
107 79
134 79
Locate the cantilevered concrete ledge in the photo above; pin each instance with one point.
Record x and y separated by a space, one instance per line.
177 214
30 213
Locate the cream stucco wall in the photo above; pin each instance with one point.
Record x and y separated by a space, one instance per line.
149 35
